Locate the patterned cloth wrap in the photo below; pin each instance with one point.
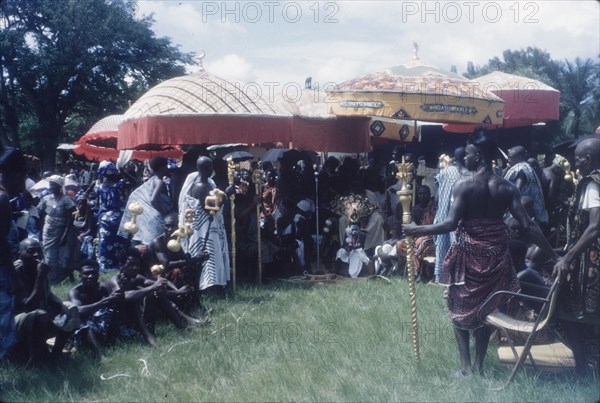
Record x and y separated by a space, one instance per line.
476 266
107 324
580 293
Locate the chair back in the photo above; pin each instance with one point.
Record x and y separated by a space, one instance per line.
551 304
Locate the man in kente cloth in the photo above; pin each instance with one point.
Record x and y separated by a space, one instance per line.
580 295
478 263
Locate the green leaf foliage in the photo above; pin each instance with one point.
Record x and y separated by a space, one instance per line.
66 64
578 82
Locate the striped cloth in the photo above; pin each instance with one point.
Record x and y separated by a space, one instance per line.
209 234
446 180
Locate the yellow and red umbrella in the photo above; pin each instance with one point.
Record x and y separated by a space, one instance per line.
417 92
526 101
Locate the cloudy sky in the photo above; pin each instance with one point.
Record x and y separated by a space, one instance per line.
332 41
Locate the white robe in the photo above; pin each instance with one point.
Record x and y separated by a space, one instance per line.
217 269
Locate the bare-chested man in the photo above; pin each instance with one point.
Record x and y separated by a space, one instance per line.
479 263
98 307
38 307
136 287
180 269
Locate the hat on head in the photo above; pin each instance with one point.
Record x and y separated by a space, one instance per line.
56 179
71 180
107 168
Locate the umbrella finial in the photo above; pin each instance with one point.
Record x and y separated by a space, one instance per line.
416 51
199 59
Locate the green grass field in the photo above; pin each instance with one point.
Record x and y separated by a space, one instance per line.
284 342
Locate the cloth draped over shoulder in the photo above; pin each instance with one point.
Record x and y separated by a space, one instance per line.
151 221
209 235
476 266
533 188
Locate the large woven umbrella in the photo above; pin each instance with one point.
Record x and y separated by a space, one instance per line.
418 92
100 143
526 101
201 108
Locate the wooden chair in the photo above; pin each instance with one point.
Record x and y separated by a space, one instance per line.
508 325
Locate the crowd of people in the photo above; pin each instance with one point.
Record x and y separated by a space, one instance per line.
164 230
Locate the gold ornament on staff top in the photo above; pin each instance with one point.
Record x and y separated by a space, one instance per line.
131 226
174 245
257 179
231 166
214 201
405 173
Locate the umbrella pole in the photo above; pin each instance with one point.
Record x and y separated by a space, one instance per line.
404 172
317 217
258 186
230 177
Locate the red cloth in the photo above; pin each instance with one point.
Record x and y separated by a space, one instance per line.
477 265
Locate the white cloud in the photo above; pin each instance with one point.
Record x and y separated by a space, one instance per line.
184 23
230 67
365 36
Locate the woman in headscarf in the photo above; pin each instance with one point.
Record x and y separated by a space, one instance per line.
56 209
110 210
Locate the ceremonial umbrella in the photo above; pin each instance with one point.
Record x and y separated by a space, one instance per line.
526 101
273 154
100 143
238 156
201 108
315 128
416 92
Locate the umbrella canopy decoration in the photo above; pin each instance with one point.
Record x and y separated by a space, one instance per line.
203 108
417 91
526 101
100 143
314 128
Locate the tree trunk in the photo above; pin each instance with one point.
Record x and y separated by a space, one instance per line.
47 138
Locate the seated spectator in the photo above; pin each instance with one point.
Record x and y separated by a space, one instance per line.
351 258
180 269
98 309
152 294
41 315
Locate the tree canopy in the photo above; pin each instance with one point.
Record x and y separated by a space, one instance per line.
578 82
65 64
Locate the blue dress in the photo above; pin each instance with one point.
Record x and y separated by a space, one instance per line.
110 211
